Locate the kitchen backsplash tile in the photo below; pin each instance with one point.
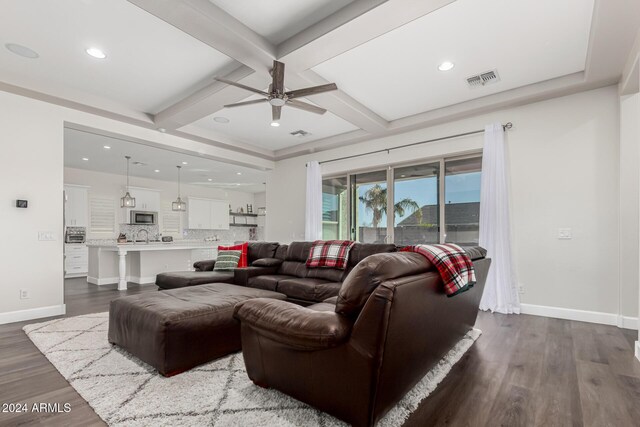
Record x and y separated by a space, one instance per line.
231 235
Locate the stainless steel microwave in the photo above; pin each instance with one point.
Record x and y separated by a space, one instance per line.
144 218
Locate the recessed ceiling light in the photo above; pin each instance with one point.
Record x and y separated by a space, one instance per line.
157 170
446 66
238 173
221 120
237 184
163 130
275 124
209 179
96 53
23 51
85 159
106 147
185 163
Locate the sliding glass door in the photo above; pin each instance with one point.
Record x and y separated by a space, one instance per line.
431 202
369 207
416 204
335 209
462 201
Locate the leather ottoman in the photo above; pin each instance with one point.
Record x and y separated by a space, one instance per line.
181 279
176 330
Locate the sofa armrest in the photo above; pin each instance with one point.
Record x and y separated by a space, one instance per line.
293 325
244 274
204 265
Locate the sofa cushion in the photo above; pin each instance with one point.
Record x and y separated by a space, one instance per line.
329 254
294 268
257 250
281 252
181 279
227 260
329 274
267 262
242 247
360 251
298 251
308 289
371 272
267 281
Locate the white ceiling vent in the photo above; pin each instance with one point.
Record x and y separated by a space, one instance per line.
483 79
300 133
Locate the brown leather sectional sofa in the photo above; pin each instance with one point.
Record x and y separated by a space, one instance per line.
279 268
351 343
356 355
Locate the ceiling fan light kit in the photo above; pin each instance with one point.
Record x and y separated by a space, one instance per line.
277 97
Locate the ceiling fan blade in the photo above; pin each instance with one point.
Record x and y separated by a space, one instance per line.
314 90
241 86
304 106
278 77
240 104
275 113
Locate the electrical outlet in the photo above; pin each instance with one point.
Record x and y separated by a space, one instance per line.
46 236
521 289
24 294
564 234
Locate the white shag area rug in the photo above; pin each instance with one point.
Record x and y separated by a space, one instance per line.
125 391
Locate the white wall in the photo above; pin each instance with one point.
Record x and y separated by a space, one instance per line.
564 165
31 167
31 162
629 203
112 186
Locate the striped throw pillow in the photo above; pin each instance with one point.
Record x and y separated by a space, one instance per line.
227 260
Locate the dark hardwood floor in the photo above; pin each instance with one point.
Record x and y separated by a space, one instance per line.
523 371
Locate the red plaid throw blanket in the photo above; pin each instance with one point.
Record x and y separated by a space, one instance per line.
453 264
329 254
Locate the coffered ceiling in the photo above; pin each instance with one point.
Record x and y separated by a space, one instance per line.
163 55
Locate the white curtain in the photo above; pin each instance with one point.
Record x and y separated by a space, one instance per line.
500 292
313 215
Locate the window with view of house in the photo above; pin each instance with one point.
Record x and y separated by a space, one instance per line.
431 202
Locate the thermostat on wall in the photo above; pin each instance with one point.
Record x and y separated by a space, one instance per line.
21 203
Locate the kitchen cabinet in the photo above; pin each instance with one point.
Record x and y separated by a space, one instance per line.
207 214
146 200
76 260
76 206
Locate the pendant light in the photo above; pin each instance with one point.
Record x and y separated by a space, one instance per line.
127 201
179 205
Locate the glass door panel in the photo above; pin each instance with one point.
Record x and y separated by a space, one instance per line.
416 207
462 200
369 207
335 213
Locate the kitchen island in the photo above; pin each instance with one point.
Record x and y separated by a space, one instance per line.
111 262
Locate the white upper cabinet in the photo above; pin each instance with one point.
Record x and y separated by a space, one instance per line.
76 206
219 215
146 200
207 214
199 214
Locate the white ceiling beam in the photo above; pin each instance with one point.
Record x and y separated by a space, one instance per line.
213 26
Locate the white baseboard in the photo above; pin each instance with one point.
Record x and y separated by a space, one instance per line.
638 350
32 313
114 280
580 315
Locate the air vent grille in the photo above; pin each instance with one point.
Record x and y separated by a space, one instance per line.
300 133
483 79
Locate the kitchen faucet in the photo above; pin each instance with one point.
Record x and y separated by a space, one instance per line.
146 233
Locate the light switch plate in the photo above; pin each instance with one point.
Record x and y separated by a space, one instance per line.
564 234
46 236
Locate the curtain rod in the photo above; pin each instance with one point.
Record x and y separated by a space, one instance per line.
505 127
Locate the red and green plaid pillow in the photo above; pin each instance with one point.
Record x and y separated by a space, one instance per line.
329 254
